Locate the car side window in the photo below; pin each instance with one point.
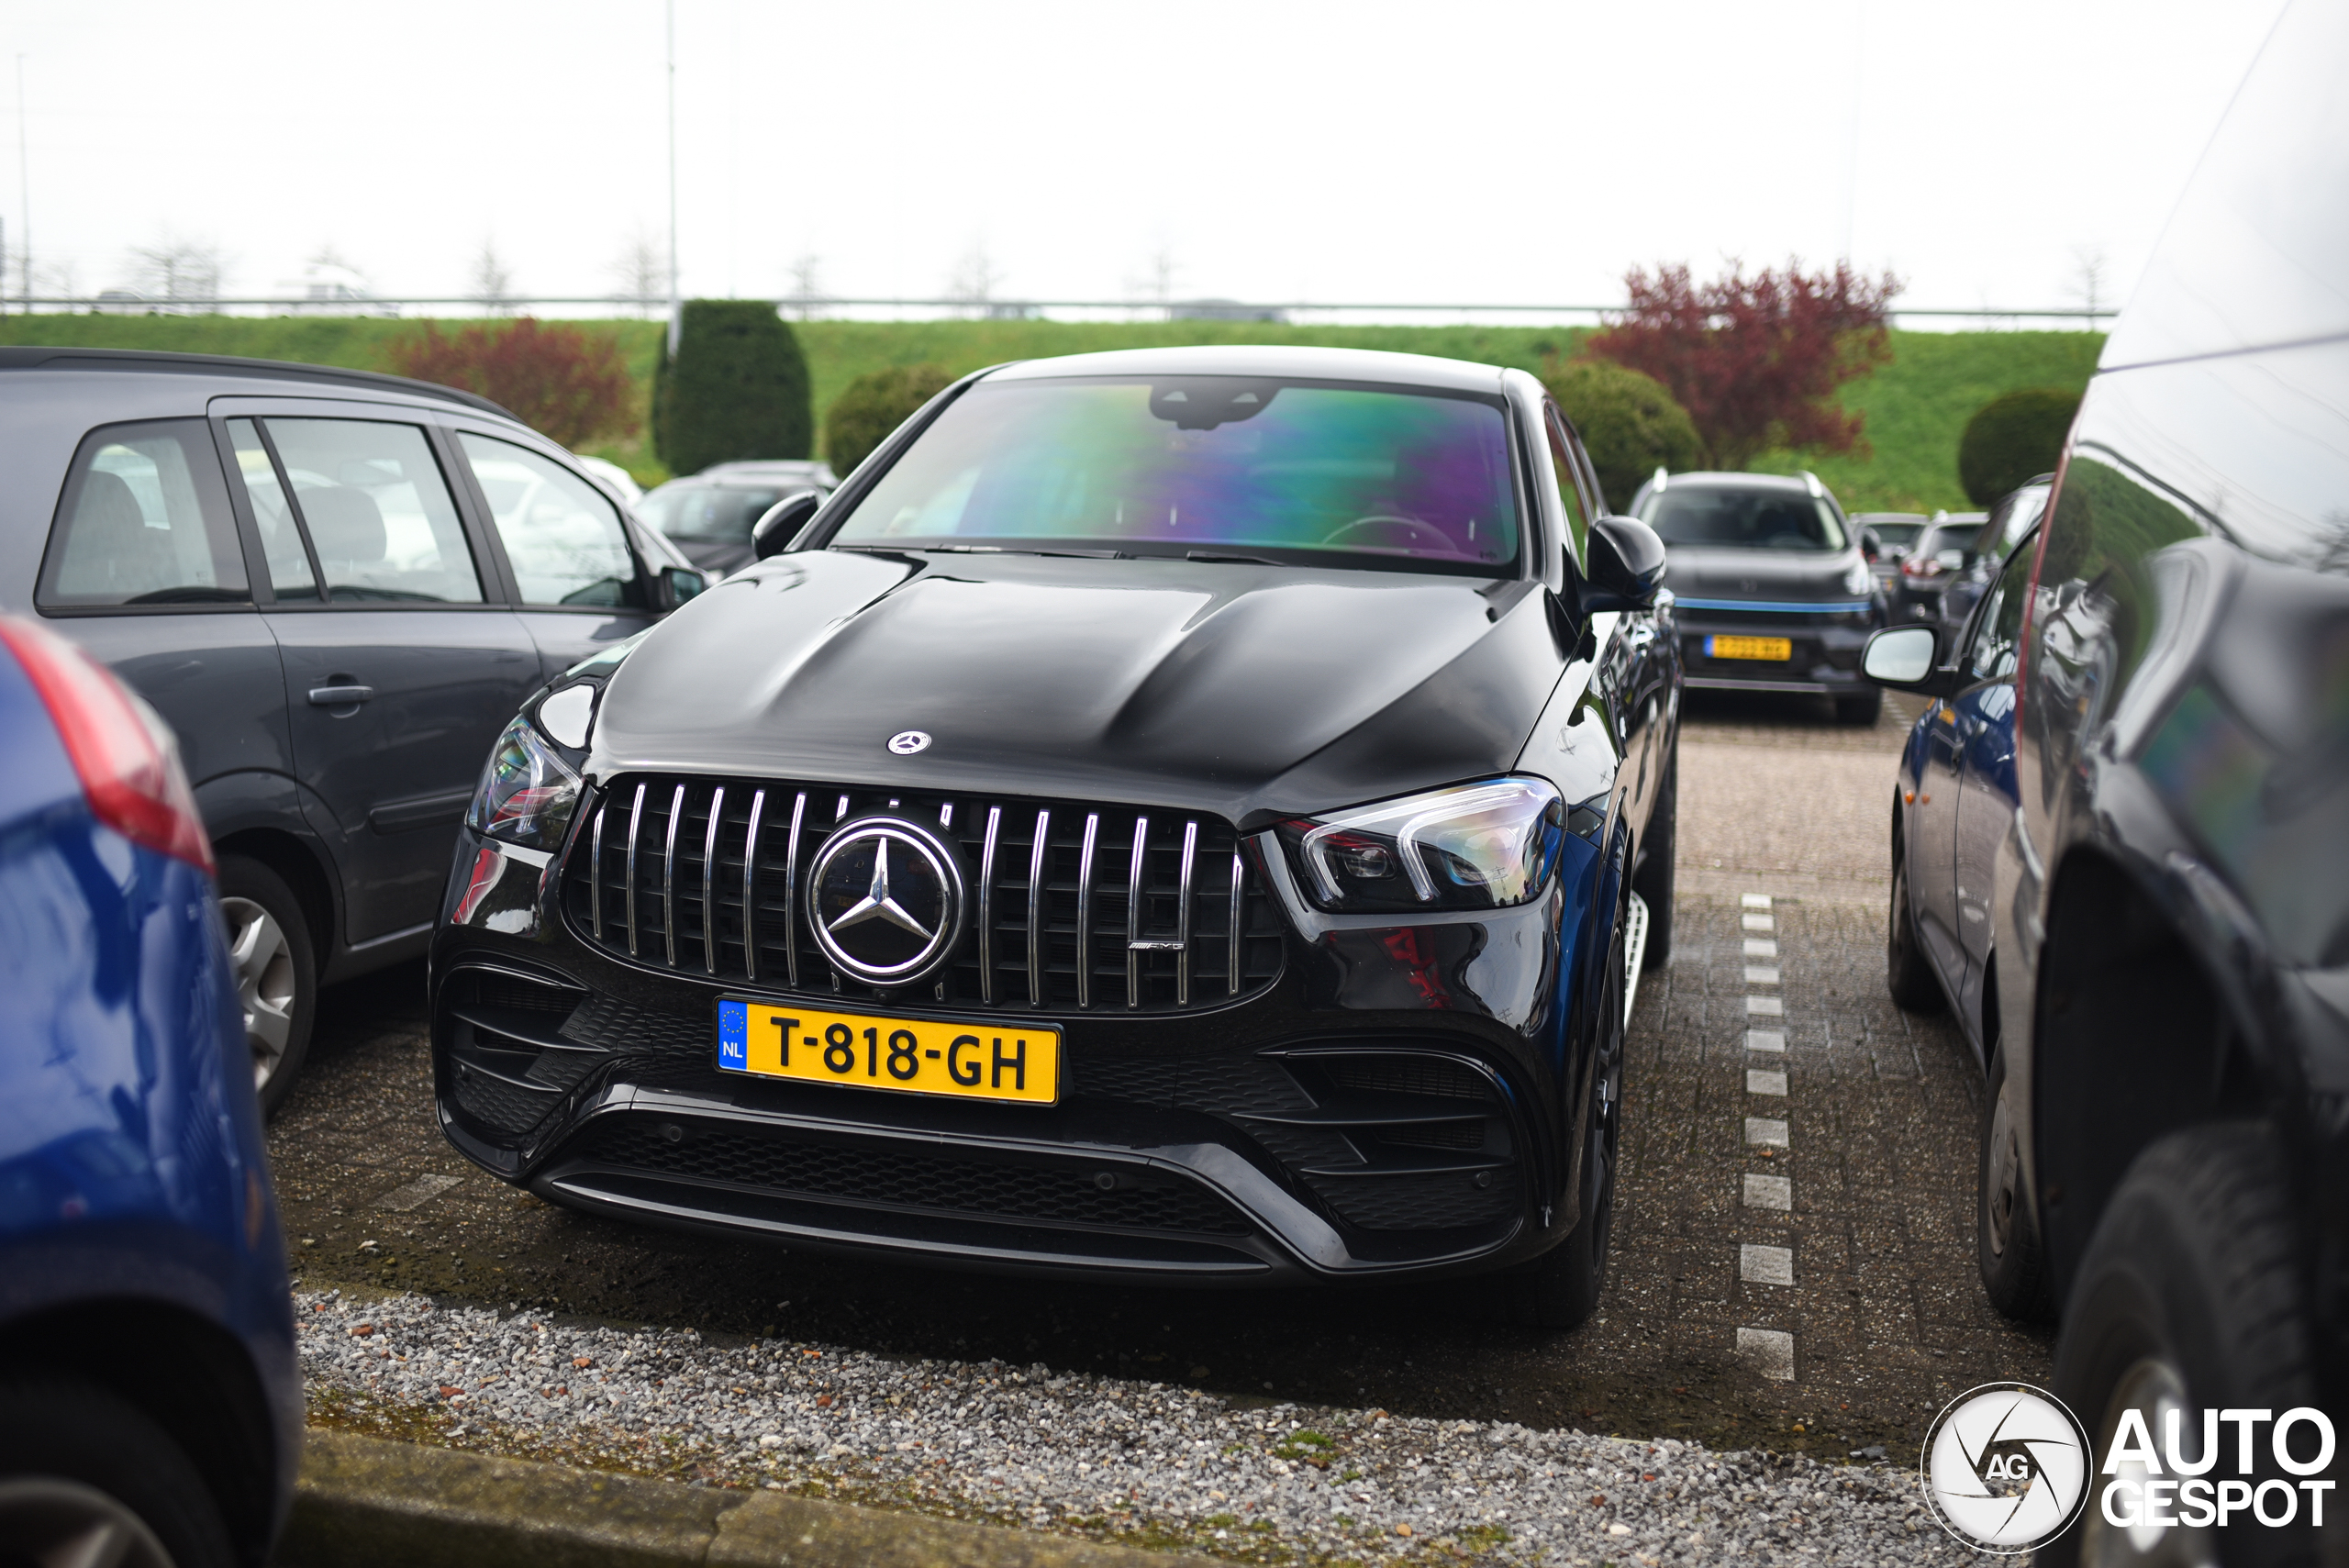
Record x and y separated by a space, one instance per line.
1990 656
144 519
562 535
369 499
1570 479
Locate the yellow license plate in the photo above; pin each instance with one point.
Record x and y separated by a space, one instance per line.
1778 648
992 1061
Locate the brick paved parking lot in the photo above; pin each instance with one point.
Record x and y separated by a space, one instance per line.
1794 1252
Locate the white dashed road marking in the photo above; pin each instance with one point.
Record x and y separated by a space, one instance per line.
1756 922
1763 1132
1765 1265
1766 1040
1760 975
1770 1192
1762 1081
1770 1352
1755 901
1761 947
1763 1007
422 1190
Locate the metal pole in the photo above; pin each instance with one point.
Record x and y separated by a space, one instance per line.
24 189
677 315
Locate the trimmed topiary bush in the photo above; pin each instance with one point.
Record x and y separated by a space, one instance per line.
738 388
2013 438
1628 424
873 405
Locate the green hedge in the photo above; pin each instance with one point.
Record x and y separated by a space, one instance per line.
873 405
1628 424
2012 439
738 388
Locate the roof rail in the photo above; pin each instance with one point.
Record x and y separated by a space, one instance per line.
38 356
1661 478
1810 483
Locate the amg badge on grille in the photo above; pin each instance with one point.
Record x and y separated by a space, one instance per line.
884 900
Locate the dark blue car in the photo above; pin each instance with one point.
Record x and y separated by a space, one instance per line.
1952 807
149 1403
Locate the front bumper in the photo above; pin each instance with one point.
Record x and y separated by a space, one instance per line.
1393 1103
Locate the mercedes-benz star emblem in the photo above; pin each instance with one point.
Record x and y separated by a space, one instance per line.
885 899
905 742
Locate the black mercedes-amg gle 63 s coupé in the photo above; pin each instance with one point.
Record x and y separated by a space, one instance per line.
1189 814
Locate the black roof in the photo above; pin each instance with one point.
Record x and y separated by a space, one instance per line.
61 357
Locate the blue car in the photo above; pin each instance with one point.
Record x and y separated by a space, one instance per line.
1952 807
149 1403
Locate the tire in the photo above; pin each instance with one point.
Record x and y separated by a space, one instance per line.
1653 881
1859 709
2007 1246
1559 1289
276 970
81 1466
2190 1293
1906 972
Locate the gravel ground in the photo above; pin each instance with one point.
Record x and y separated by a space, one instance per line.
1150 1463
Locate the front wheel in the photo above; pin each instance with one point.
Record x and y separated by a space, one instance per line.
271 959
2005 1232
1559 1289
2190 1299
86 1477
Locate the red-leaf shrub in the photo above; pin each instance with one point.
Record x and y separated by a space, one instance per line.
570 386
1754 359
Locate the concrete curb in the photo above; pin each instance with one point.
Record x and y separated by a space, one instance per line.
365 1503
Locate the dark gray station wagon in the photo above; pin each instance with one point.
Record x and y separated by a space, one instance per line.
336 588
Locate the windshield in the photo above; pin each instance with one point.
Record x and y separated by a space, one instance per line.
1743 519
707 513
1208 465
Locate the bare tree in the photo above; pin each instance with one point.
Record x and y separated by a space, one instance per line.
1156 284
492 285
2088 280
807 283
182 271
976 277
642 269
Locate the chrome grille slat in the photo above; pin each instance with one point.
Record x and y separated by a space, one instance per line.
750 887
669 877
710 881
1085 910
1238 928
1182 914
635 821
1134 896
791 892
1140 924
986 906
1037 858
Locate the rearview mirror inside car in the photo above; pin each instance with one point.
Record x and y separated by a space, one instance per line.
1626 565
1906 657
774 532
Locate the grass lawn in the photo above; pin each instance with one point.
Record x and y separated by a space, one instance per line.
1916 405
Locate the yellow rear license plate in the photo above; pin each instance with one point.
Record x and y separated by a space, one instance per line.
988 1060
1778 648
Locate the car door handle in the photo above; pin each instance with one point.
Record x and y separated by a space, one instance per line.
339 696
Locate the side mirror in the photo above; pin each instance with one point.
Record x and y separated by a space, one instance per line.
1950 560
1906 658
679 583
774 532
1626 565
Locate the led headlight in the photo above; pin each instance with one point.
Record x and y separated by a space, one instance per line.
528 792
1480 846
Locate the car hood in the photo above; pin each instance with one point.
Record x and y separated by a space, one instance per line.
1247 691
1695 572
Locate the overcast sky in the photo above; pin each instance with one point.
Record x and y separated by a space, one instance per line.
1465 152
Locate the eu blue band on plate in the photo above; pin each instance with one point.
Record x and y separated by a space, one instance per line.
734 1035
